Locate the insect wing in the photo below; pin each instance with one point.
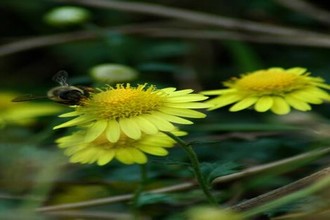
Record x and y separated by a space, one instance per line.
61 78
27 97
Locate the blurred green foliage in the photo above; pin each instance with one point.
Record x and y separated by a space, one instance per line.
34 173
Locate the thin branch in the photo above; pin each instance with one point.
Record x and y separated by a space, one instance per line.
91 215
188 185
302 40
38 42
121 198
282 191
302 158
192 16
308 9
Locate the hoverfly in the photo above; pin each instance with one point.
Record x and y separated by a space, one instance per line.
64 93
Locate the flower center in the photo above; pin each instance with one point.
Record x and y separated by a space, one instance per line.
269 82
123 102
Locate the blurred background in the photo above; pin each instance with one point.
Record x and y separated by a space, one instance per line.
185 44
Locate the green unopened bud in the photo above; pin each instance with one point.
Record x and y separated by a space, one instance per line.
212 213
67 16
113 73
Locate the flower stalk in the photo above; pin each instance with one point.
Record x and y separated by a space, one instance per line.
196 167
139 190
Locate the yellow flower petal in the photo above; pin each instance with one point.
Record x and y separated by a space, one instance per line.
130 155
112 132
224 100
106 157
174 93
296 70
157 151
145 125
280 106
95 130
188 98
76 121
69 114
173 118
306 97
160 123
297 104
193 105
243 104
218 91
182 112
264 104
130 128
319 93
169 90
139 157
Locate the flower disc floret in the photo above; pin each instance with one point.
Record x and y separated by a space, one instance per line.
134 111
274 89
126 150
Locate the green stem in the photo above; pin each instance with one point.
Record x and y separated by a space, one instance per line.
139 190
195 165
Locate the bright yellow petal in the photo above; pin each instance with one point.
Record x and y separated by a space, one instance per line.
217 92
297 104
160 123
178 93
182 112
264 104
224 100
145 125
280 106
139 157
112 132
95 130
157 151
187 98
320 93
69 114
130 156
106 157
243 104
130 128
124 156
173 118
168 90
76 121
195 105
296 70
306 97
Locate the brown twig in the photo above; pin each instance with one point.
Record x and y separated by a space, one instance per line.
156 32
96 202
95 215
188 185
308 9
306 157
282 191
191 16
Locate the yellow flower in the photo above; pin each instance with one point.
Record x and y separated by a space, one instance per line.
23 113
134 111
126 150
274 89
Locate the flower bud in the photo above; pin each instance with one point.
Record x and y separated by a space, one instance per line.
212 213
67 16
113 73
